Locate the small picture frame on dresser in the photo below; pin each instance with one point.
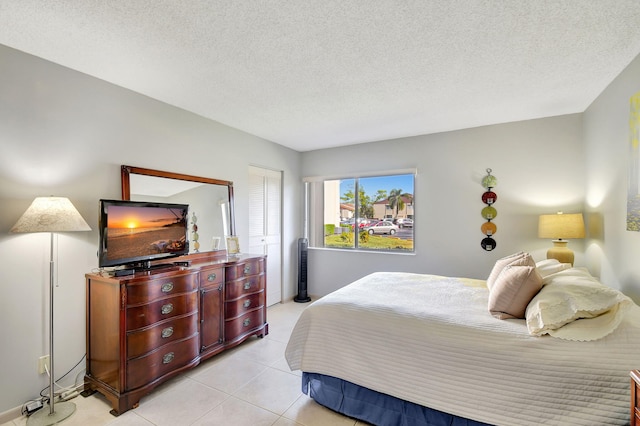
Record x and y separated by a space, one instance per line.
233 246
215 243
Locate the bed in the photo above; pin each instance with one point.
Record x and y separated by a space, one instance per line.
402 348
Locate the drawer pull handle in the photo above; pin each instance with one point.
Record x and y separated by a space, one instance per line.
247 269
167 287
167 309
211 277
247 303
167 332
247 285
246 322
167 358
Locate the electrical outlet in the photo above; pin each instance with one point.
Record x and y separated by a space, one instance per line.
43 364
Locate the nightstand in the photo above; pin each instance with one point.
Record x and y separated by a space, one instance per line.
635 397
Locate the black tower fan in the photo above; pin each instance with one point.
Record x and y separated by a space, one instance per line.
302 296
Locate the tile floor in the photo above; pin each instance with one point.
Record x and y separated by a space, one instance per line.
249 385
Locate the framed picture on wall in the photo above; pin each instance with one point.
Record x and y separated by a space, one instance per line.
233 246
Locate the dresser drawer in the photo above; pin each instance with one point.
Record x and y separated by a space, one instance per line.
245 269
243 305
167 358
146 291
244 324
144 340
244 286
145 315
211 277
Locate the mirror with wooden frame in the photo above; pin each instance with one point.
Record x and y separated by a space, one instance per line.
210 201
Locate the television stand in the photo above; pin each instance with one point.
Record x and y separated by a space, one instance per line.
146 328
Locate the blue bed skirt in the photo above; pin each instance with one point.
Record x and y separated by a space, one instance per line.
374 407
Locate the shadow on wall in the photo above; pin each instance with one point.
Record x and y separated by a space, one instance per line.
595 226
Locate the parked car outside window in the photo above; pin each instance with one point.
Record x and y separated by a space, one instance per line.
405 222
362 223
382 227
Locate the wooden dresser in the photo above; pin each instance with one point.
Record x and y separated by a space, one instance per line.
635 398
145 328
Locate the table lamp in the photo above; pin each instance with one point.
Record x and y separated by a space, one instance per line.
51 214
561 227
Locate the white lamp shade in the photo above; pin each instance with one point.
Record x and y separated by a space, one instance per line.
50 214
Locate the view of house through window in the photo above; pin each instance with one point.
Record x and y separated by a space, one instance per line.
373 213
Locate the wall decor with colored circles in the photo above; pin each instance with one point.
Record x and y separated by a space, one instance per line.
489 212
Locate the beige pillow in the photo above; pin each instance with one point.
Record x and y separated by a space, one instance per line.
517 259
513 290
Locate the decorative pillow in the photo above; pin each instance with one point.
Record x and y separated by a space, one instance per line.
517 259
513 290
575 306
551 266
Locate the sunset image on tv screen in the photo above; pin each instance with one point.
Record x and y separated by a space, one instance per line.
134 231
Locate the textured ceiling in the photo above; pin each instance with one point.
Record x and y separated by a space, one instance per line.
315 74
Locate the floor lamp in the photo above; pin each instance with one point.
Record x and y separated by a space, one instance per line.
51 214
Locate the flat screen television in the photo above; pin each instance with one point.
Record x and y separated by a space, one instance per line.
136 233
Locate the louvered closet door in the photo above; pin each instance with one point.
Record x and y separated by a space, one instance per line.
265 221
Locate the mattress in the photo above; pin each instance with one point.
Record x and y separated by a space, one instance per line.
430 340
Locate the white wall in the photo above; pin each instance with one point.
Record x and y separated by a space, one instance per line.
66 134
539 165
612 251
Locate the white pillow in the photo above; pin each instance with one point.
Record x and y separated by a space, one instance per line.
551 266
575 306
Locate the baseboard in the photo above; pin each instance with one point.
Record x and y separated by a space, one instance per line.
10 415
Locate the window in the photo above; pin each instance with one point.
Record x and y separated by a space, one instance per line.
366 213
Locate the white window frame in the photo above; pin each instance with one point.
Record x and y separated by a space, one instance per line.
314 207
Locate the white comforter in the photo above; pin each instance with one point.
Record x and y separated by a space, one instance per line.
431 340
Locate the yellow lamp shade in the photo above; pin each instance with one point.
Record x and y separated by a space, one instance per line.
560 227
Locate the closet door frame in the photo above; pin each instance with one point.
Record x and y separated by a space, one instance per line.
265 230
